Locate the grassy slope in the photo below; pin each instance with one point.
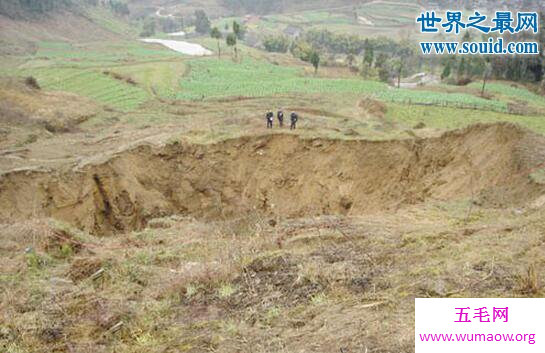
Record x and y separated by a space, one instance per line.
160 73
326 283
82 70
342 19
445 118
133 77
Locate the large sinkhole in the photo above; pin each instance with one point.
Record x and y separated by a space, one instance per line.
279 175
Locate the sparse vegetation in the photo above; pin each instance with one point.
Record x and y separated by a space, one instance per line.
145 208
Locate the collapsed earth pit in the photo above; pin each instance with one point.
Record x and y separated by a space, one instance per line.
279 174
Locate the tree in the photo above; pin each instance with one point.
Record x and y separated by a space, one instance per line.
231 41
119 7
352 51
238 30
301 49
404 55
486 73
383 68
216 34
446 71
315 60
276 44
369 54
350 59
461 70
202 23
398 65
148 29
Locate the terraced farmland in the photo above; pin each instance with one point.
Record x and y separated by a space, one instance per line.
97 54
457 100
93 84
380 12
210 78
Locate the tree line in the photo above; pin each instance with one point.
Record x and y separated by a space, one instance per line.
385 59
231 38
13 7
375 58
462 69
20 8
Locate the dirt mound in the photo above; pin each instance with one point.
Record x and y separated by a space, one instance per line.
281 175
373 106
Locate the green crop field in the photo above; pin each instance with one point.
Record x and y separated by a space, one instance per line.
518 93
381 12
93 84
96 54
312 18
447 118
458 100
85 70
212 78
158 78
123 75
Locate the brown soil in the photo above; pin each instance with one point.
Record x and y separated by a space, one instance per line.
281 175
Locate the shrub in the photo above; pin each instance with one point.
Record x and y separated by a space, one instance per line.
31 82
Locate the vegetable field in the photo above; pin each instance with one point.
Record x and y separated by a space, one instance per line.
92 84
212 78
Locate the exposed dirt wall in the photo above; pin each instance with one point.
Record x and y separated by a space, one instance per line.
279 175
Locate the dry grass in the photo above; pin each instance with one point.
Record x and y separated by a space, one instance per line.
320 284
27 111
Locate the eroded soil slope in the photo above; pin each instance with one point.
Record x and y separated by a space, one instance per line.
279 175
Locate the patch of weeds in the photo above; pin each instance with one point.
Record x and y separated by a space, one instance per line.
134 273
272 313
529 282
412 240
230 327
472 217
318 299
146 234
66 251
538 176
164 257
145 339
191 290
13 348
34 261
226 290
144 258
31 138
174 141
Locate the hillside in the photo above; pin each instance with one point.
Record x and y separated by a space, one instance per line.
75 21
218 247
148 203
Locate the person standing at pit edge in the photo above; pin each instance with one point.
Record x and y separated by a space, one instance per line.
280 116
269 117
294 118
